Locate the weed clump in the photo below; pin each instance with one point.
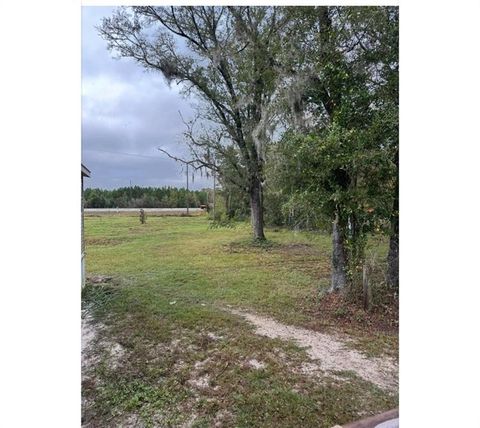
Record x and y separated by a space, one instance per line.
222 223
143 216
98 298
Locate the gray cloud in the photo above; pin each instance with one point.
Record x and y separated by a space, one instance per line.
127 111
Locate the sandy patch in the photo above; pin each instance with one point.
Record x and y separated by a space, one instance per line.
255 364
117 352
189 422
223 418
131 421
200 382
328 352
199 365
89 332
214 336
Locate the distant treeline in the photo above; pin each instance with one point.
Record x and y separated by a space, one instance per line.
144 197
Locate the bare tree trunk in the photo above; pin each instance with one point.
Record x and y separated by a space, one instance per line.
393 255
256 206
393 252
367 291
214 185
339 277
188 202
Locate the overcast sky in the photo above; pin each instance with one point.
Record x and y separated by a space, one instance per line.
126 114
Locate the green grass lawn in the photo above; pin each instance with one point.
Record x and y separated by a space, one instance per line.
182 359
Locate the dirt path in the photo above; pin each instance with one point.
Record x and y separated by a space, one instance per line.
88 335
328 352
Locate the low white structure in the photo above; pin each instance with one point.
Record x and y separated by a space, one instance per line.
85 173
147 210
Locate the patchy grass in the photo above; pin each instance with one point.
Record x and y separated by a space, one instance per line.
168 355
377 345
102 241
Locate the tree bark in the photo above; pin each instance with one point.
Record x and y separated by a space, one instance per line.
367 291
256 206
393 253
339 277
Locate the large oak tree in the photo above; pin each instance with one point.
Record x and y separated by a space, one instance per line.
227 56
342 145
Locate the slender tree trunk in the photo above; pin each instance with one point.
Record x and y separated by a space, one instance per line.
256 206
393 252
367 290
339 277
214 188
188 204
